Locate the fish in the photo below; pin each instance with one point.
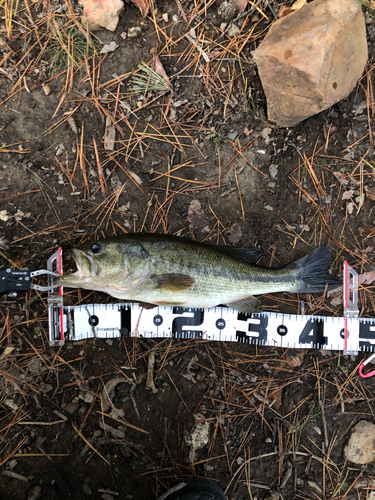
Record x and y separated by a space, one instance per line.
165 270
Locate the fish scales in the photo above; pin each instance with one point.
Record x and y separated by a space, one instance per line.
167 270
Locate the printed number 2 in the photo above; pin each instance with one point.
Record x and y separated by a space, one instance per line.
179 323
313 333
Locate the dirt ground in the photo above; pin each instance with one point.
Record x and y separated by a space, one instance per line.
274 422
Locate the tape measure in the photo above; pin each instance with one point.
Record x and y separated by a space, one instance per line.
348 333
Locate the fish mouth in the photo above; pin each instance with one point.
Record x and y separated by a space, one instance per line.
87 269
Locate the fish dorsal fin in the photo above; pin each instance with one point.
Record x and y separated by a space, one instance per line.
249 304
250 254
172 282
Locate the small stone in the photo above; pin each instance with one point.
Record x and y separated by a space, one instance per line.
273 170
34 365
165 17
134 32
234 30
223 26
34 493
227 11
86 489
47 89
109 47
266 134
60 150
101 13
193 33
268 440
232 135
240 460
311 59
361 445
86 396
175 18
12 464
359 108
71 407
107 496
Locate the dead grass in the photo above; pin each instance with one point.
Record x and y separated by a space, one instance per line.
269 409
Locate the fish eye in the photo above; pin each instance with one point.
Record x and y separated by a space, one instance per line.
96 248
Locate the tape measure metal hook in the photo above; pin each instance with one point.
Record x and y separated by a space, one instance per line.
351 309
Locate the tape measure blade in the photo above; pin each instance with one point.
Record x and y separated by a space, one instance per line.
218 324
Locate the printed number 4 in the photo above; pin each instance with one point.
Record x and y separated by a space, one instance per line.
313 333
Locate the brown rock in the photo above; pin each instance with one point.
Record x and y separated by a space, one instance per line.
101 13
312 59
361 445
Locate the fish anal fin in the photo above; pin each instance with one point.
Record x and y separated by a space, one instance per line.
172 282
249 304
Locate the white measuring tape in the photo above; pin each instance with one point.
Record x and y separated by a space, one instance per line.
349 333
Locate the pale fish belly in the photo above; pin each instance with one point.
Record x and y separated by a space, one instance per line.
209 294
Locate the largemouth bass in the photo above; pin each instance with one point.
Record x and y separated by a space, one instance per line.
171 271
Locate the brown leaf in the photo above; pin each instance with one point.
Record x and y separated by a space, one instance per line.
298 4
234 233
196 216
109 135
366 278
276 395
284 11
348 194
295 357
143 6
159 68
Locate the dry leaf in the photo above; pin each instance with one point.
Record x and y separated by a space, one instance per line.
234 233
109 135
366 278
295 357
297 5
276 395
196 216
72 124
160 70
143 6
363 279
348 194
136 177
8 350
285 10
4 216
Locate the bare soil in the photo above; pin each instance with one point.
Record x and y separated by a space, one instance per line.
277 420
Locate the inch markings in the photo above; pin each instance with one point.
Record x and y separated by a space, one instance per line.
219 324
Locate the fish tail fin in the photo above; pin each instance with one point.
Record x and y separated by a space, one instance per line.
313 271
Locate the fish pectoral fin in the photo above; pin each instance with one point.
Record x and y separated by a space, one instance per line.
249 304
172 282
